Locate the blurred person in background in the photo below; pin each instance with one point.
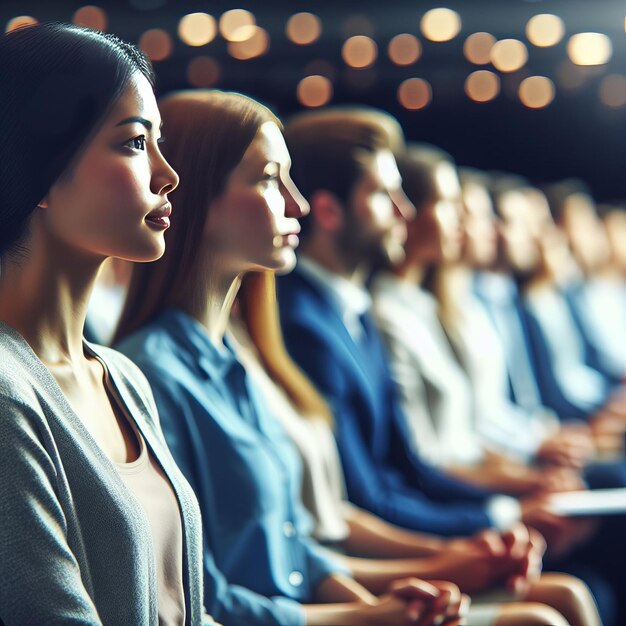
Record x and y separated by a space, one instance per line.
429 292
596 300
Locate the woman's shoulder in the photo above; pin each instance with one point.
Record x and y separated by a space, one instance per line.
18 377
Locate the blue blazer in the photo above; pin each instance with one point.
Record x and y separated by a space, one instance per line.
383 473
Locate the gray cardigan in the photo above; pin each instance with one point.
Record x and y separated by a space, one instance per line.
75 545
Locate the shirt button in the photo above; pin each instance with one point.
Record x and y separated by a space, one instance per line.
295 578
289 529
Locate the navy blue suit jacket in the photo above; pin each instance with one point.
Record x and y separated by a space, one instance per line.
383 474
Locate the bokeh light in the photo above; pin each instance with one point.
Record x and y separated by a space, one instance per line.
254 46
545 30
441 24
589 49
414 94
236 20
197 29
482 86
536 92
404 49
359 51
303 28
477 48
203 71
91 16
18 22
157 44
314 91
509 55
613 90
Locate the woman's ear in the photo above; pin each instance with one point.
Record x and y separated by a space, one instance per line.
43 203
327 211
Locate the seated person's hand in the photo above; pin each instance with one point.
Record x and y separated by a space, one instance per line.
570 447
431 603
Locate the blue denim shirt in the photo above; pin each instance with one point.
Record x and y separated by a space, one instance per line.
259 560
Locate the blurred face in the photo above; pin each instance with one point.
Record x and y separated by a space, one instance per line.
481 240
253 225
520 247
435 235
113 201
615 223
375 225
585 233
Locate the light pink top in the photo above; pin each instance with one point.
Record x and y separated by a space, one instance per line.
149 485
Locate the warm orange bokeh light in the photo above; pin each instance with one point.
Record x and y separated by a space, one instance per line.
303 28
509 55
197 29
613 90
157 44
254 46
359 51
404 49
18 22
545 30
414 94
477 48
536 92
314 91
441 24
91 17
482 86
589 49
234 20
203 72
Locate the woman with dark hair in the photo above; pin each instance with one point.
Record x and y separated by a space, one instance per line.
238 211
98 524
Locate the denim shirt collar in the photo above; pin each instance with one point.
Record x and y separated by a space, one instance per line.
215 362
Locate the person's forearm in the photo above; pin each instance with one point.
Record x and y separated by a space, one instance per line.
516 480
342 588
346 614
377 574
373 537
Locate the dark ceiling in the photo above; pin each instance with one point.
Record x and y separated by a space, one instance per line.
576 135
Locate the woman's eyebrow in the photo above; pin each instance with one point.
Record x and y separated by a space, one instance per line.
136 120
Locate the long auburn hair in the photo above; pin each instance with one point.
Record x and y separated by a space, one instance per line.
207 133
259 313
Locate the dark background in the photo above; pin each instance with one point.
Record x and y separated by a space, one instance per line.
576 135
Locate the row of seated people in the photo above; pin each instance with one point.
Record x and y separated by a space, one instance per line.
99 524
431 419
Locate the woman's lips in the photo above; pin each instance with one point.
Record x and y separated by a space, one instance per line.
288 239
160 218
158 222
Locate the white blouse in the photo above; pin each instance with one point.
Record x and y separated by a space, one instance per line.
435 391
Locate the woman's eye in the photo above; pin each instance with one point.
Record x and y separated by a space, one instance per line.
271 179
136 143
